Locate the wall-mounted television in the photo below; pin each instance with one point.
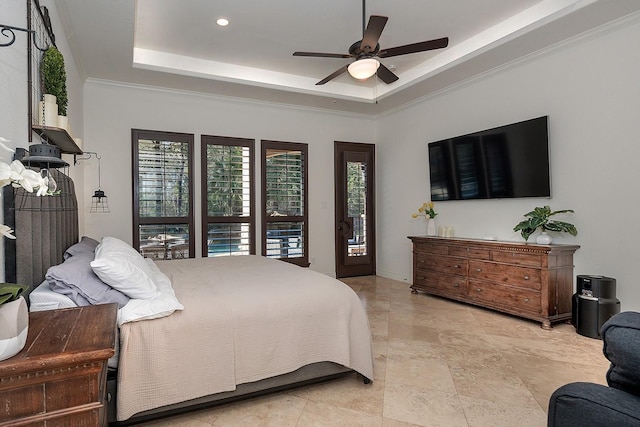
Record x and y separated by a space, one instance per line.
504 162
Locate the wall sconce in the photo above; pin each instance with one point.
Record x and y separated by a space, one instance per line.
99 201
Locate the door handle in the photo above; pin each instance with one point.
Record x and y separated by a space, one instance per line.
346 227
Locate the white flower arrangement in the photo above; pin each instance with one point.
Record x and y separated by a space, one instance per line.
19 176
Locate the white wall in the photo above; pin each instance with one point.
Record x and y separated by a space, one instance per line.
590 90
112 110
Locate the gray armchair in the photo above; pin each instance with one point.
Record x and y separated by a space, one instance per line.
593 405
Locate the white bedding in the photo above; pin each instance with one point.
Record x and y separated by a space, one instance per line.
43 298
245 318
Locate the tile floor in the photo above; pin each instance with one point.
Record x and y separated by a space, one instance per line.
437 363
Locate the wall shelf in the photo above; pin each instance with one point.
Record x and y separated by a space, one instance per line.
58 137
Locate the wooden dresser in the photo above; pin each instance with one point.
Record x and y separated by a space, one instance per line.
524 279
59 377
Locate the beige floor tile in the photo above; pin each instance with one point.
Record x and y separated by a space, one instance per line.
543 376
560 346
193 419
485 413
493 386
348 393
423 372
423 407
277 410
404 331
388 422
317 414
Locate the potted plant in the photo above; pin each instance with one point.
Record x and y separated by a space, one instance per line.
14 319
427 211
539 217
54 80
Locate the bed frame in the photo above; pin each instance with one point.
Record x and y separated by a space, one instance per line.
310 374
42 237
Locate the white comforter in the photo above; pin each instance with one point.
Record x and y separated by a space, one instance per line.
246 318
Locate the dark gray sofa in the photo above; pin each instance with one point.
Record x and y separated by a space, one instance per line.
593 405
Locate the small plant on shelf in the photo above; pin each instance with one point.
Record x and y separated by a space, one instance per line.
54 77
539 217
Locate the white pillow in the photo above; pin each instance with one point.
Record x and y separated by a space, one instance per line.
144 309
120 266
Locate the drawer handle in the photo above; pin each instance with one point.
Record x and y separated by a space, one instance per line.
526 277
526 300
479 290
456 266
421 260
420 277
456 285
478 270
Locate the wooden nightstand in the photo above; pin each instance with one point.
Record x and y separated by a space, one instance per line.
59 377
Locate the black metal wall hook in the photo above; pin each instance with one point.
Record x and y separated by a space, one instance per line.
9 32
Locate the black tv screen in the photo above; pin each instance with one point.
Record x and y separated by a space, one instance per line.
504 162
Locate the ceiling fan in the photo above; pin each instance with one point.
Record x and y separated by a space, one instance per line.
367 52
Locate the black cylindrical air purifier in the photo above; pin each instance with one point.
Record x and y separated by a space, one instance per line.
593 304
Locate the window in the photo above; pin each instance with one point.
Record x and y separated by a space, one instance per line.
228 216
163 194
284 201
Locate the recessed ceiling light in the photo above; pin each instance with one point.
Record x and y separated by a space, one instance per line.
223 22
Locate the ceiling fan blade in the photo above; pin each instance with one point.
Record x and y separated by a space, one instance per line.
322 55
372 33
386 75
333 75
414 47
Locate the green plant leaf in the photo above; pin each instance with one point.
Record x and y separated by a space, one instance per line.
539 218
54 77
10 292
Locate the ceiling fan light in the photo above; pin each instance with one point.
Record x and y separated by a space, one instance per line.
364 68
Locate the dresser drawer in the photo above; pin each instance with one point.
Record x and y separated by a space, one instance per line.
442 264
513 299
518 258
22 402
431 247
447 283
505 274
470 252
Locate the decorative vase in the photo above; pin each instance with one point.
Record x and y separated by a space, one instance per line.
63 122
431 227
14 326
543 238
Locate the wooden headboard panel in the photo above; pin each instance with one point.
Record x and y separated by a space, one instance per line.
44 228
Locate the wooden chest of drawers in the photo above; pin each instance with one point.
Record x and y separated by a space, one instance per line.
59 377
528 280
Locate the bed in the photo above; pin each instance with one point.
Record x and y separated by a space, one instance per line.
234 303
236 327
